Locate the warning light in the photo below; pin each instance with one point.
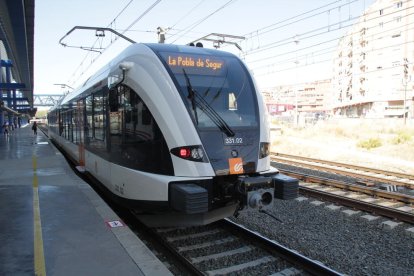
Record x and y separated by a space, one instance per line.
185 152
190 153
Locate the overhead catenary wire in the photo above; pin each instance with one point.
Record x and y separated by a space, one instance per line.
142 15
185 15
195 24
96 41
132 24
290 39
401 29
332 40
252 55
191 27
262 31
330 59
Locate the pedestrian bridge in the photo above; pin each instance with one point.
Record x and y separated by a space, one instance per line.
46 100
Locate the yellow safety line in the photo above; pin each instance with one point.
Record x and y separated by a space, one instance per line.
39 258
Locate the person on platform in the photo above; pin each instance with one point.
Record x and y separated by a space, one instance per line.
34 128
6 128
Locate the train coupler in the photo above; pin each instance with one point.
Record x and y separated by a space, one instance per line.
257 192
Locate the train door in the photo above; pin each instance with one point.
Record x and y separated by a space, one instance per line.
81 132
115 121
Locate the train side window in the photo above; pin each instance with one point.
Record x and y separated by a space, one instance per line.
113 100
63 128
89 119
70 126
75 123
95 126
115 119
62 131
60 122
146 116
140 144
98 116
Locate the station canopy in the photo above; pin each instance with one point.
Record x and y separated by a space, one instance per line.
16 46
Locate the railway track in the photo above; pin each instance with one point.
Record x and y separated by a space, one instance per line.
389 204
221 248
372 175
356 192
227 248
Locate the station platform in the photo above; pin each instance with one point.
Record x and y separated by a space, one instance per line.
53 223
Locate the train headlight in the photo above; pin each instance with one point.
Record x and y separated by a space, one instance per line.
264 150
197 153
191 153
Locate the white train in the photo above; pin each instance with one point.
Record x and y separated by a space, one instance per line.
178 133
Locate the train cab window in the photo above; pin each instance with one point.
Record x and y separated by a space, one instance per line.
232 101
135 139
214 87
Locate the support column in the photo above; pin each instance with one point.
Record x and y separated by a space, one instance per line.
14 105
8 80
1 121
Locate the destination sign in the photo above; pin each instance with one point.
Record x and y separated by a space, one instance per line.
183 61
194 64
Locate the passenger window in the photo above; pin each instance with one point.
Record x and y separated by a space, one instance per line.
89 119
146 116
136 140
95 126
98 116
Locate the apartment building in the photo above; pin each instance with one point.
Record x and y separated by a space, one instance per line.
312 97
373 65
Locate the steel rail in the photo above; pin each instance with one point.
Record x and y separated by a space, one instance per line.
355 203
311 266
296 259
344 172
360 205
186 263
350 187
347 165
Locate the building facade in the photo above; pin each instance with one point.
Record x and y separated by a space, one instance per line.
373 66
313 97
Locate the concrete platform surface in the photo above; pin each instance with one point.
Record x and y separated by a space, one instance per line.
53 223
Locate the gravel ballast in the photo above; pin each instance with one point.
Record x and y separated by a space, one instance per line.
348 244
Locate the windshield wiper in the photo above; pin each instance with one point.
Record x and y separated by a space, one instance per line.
214 116
191 95
198 101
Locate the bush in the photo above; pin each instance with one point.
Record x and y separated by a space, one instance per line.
401 138
370 143
339 132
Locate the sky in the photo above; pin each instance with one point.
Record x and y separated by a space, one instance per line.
285 42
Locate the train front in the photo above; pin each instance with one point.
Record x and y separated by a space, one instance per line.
229 116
